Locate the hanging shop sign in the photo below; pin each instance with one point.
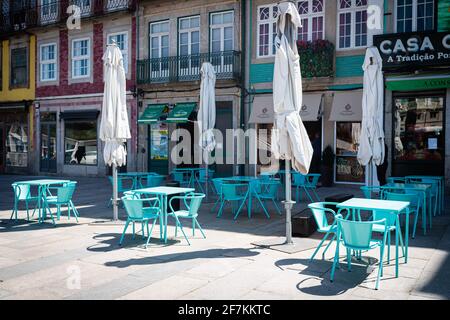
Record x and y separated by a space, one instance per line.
413 50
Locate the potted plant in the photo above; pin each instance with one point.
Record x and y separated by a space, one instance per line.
327 167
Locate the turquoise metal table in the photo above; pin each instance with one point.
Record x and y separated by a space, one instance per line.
192 176
162 193
397 207
137 178
425 189
441 187
251 192
43 185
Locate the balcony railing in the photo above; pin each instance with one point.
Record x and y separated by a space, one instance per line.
55 12
227 65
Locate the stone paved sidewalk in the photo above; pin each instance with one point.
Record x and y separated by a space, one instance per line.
43 262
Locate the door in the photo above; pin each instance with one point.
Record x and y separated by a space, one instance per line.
419 134
2 148
158 148
48 142
224 121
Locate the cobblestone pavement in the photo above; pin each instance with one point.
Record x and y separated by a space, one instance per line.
83 260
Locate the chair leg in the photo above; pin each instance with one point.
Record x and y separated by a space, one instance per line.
149 233
415 223
142 227
309 196
181 228
335 261
219 214
276 206
389 247
328 245
58 212
380 268
28 214
239 210
319 246
193 228
349 260
123 233
134 230
200 228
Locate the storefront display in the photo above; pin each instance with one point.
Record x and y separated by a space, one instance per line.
80 142
348 168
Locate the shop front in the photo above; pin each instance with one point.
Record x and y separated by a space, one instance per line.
417 82
15 140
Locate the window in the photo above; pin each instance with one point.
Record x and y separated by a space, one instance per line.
189 36
348 168
48 62
84 5
49 11
121 40
352 24
19 67
267 30
222 31
80 142
159 48
414 15
17 144
80 58
312 16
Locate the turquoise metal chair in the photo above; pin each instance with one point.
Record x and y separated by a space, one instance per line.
22 192
123 184
312 179
137 212
63 197
234 193
319 212
217 184
192 202
415 200
357 236
267 190
300 182
154 180
371 192
396 180
183 178
202 179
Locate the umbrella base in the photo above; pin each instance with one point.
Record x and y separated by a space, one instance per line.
279 244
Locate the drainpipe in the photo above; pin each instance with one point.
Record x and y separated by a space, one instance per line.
243 73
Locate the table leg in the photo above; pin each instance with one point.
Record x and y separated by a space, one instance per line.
407 235
161 218
397 229
165 218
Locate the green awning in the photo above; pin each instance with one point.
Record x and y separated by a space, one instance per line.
416 83
181 112
152 113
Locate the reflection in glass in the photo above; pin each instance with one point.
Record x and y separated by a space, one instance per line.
348 168
80 142
418 124
159 134
17 145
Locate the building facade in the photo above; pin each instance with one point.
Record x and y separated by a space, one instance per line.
174 39
68 86
17 93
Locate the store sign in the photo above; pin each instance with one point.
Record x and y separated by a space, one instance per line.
411 50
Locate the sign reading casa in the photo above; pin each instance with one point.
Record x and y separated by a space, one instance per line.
401 51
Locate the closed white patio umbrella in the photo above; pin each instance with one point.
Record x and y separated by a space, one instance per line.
371 148
207 112
114 126
290 140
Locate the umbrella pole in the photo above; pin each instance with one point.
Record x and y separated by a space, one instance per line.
288 203
115 195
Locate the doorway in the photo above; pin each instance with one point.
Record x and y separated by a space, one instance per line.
224 121
48 142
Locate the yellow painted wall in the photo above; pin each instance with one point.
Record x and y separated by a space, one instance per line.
7 95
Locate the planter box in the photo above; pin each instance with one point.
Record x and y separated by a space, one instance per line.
303 224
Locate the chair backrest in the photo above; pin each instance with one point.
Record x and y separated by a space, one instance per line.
233 190
356 234
21 191
396 180
412 196
64 194
434 184
299 179
369 190
120 183
154 180
195 200
319 212
133 207
178 176
217 182
313 179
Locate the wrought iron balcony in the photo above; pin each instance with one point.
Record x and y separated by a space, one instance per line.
227 65
19 17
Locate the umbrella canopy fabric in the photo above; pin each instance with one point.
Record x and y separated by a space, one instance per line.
371 145
207 109
114 127
290 140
